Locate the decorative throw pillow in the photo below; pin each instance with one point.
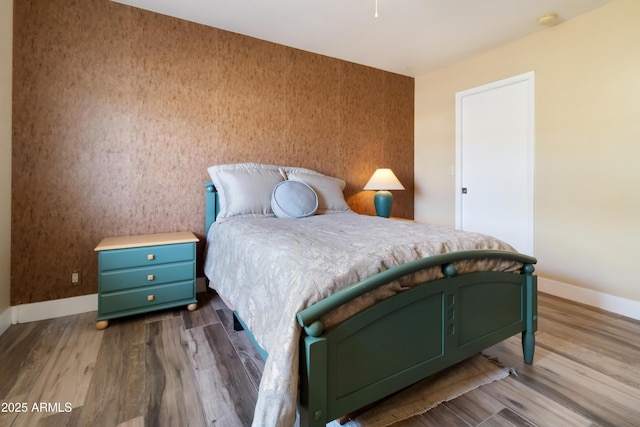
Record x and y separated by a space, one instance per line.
244 189
329 190
293 199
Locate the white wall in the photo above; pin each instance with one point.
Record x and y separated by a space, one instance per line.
587 186
6 41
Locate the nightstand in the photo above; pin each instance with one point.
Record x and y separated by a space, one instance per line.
142 273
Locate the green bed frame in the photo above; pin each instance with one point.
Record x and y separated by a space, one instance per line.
409 336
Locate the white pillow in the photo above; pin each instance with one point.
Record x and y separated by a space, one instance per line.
286 170
244 189
329 190
293 199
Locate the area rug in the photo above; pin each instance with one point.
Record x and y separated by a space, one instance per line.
443 386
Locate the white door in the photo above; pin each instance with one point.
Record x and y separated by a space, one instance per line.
494 156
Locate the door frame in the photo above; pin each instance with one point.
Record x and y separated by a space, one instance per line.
525 77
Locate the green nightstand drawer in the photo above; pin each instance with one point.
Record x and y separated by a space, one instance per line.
115 280
142 300
145 256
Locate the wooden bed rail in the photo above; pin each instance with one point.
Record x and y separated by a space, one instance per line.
309 318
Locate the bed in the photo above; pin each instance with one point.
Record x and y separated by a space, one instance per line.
347 308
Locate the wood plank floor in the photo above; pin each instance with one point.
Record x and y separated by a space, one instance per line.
181 368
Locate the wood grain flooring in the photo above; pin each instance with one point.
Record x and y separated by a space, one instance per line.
181 368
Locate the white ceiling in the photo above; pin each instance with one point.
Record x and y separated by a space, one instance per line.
409 37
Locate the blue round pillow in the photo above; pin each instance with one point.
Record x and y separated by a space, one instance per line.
293 199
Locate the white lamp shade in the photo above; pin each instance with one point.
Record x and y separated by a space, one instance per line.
383 179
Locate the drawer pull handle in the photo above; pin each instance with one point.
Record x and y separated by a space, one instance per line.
151 257
151 277
149 297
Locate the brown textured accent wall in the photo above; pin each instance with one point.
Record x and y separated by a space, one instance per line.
117 113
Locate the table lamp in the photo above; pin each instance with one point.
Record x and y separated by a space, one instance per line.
383 180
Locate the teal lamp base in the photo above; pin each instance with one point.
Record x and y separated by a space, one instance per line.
383 200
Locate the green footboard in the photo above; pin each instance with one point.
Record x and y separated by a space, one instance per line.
412 335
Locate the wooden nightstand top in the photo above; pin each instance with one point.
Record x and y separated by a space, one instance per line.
397 218
142 240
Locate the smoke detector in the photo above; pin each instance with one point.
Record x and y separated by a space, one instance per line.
548 19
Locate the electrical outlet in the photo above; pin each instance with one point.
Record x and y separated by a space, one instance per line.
75 277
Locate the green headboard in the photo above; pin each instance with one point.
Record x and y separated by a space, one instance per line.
212 205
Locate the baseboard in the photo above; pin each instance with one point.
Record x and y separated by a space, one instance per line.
5 320
63 307
614 304
32 312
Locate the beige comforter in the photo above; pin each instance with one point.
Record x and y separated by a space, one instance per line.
268 269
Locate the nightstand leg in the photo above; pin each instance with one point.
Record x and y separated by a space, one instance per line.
192 307
102 324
